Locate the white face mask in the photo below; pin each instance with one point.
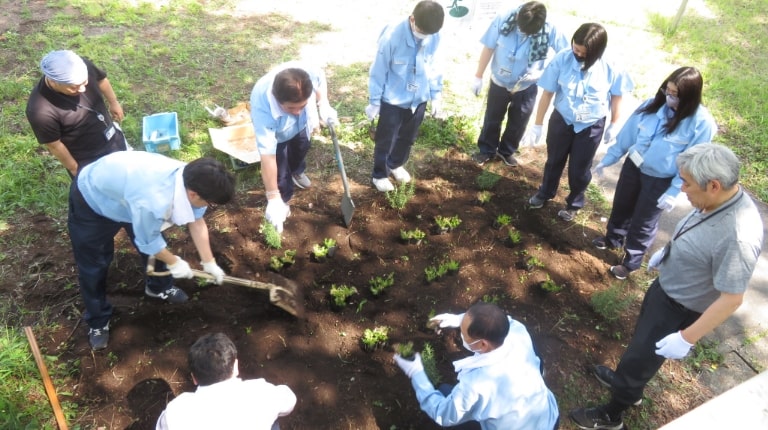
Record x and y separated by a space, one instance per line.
468 346
419 36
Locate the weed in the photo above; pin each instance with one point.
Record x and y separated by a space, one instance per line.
487 180
380 283
403 193
271 237
705 356
612 302
375 338
340 294
360 306
429 362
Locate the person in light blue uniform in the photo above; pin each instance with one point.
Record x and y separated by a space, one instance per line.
284 110
500 386
585 88
518 43
403 78
660 129
143 193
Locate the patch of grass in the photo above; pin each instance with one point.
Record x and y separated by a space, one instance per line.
457 130
705 356
612 302
486 180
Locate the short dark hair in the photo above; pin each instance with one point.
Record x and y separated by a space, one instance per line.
593 37
428 16
210 180
488 322
531 17
212 358
689 87
292 85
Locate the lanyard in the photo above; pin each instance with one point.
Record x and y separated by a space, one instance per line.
684 230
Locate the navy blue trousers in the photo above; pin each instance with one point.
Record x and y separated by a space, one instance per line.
93 245
635 217
577 149
659 316
291 160
395 133
517 107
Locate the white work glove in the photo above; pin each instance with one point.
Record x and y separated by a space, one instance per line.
276 213
610 133
673 346
446 320
598 170
532 136
666 202
477 86
214 270
372 111
181 269
409 367
437 107
655 259
327 113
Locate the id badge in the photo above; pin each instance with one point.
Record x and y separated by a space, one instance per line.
108 133
636 158
412 87
582 113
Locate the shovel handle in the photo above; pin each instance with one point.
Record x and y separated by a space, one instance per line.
151 268
339 160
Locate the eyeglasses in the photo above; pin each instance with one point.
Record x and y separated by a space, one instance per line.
667 92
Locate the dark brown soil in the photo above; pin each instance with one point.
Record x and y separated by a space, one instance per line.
338 384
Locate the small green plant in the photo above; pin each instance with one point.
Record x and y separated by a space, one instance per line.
612 302
380 283
487 180
705 356
447 223
403 193
319 251
405 350
514 236
429 362
277 263
329 243
484 197
271 236
533 262
451 266
550 286
502 220
375 338
341 293
414 235
322 250
434 272
491 298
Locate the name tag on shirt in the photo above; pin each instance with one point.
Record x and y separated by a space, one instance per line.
108 133
636 158
412 87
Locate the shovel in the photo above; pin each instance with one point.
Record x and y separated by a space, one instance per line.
287 297
347 206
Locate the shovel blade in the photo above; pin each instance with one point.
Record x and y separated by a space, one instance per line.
347 209
287 295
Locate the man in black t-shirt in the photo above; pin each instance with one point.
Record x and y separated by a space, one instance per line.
67 111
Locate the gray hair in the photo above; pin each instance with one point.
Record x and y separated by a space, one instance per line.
710 162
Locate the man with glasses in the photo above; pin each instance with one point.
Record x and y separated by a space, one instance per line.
143 193
67 113
500 386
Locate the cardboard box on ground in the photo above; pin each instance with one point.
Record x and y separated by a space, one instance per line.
237 138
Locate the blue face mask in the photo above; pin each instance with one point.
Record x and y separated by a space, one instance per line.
579 59
672 101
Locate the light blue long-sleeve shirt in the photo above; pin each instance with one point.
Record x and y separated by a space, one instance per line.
643 132
271 124
509 65
506 392
583 98
404 72
135 187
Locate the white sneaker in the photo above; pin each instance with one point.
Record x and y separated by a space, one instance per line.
401 175
383 184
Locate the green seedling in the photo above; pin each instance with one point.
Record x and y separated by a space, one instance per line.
380 283
484 197
451 266
319 251
341 293
514 236
271 236
405 350
502 220
550 286
415 235
375 338
329 243
429 362
447 223
398 198
487 179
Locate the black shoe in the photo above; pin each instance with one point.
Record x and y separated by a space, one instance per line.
481 158
98 337
605 377
620 272
600 242
509 160
172 295
594 418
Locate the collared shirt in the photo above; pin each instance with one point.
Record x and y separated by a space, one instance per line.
644 133
502 389
583 98
717 255
234 404
404 72
509 65
271 124
135 187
